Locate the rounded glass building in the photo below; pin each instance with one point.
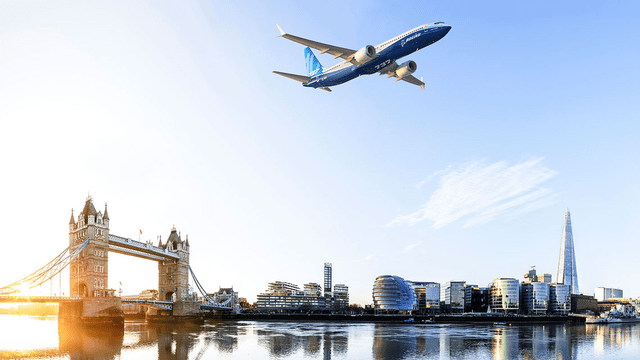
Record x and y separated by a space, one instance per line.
392 292
504 295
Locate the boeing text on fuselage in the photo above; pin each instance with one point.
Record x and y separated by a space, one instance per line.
368 60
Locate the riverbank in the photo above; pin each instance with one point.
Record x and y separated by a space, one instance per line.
443 319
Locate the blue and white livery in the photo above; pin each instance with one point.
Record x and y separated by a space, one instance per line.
368 60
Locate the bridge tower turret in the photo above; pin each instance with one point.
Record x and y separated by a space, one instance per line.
173 274
89 272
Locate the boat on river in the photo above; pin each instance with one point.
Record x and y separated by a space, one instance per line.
620 314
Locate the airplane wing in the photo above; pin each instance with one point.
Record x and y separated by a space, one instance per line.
336 51
413 80
390 70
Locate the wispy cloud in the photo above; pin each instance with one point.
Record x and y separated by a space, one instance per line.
409 247
482 192
431 177
369 257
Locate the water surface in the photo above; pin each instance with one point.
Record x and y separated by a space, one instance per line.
30 337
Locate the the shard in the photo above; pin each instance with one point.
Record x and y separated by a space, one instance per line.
567 271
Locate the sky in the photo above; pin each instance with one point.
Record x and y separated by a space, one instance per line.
170 113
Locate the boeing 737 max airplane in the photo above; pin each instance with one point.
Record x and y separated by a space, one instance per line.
368 60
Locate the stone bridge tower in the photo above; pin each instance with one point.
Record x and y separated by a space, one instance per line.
89 272
173 274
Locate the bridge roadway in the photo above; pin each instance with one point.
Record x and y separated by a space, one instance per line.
163 305
126 246
38 299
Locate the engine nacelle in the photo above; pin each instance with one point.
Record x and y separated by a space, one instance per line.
365 54
406 69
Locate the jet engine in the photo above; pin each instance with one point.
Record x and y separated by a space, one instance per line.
365 54
406 69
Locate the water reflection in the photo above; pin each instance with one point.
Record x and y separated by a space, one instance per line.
318 340
82 343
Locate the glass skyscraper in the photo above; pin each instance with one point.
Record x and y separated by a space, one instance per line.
567 271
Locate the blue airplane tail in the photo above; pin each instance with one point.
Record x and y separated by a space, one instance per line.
313 65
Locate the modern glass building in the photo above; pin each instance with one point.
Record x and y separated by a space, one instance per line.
341 296
452 296
567 271
560 299
534 299
504 295
327 279
391 293
284 296
427 295
604 294
476 299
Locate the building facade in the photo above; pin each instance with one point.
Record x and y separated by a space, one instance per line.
581 304
504 295
427 295
452 296
328 269
545 278
286 297
393 293
604 294
313 289
560 299
476 299
534 299
340 297
567 270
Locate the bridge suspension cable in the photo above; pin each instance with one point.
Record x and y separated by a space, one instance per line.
45 273
210 300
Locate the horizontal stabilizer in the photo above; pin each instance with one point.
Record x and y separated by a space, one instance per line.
295 77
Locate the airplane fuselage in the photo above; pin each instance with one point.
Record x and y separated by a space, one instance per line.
386 53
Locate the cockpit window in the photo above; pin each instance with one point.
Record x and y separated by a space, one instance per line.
439 22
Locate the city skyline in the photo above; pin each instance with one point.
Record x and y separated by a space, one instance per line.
171 115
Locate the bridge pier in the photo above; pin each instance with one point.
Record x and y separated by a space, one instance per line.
105 311
183 311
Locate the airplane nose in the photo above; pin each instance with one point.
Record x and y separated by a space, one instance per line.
446 29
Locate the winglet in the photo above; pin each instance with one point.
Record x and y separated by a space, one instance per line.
422 85
279 28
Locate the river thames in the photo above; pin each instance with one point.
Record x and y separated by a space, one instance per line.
40 337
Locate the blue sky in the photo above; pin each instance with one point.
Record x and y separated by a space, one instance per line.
170 113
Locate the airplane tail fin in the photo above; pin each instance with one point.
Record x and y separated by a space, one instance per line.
313 65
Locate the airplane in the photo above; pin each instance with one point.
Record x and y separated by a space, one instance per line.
368 60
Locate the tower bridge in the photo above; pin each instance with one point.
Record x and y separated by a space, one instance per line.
90 242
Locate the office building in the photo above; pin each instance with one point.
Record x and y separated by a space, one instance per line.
476 299
504 295
545 278
581 304
327 279
313 289
560 299
604 294
427 295
283 296
534 298
452 296
530 276
567 271
392 293
340 296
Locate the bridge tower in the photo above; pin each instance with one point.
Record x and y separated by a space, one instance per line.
173 274
89 272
